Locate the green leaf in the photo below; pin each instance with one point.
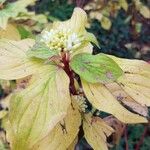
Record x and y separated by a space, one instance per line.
24 33
40 50
96 68
35 111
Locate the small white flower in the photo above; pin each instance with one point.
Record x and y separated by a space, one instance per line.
61 40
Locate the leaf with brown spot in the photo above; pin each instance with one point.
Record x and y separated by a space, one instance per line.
95 68
102 99
117 126
128 101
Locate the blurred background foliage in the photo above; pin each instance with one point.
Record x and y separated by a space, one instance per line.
122 28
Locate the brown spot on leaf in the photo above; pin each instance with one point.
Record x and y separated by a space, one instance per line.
87 62
119 97
109 75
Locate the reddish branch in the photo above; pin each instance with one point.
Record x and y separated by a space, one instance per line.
81 3
126 138
65 60
1 6
140 142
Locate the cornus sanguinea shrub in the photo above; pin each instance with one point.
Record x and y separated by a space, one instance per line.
65 79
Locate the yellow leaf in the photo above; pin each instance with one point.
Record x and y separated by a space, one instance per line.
14 63
10 33
133 66
137 86
145 11
12 10
96 131
75 24
123 4
64 134
3 113
36 110
136 81
126 99
73 144
106 23
101 98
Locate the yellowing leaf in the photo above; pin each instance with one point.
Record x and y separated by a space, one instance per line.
105 23
145 11
11 10
10 33
137 86
101 98
96 131
73 144
14 63
117 125
123 4
3 113
39 18
76 23
35 111
126 99
136 81
133 66
64 134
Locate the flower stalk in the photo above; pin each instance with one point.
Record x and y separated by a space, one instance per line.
65 61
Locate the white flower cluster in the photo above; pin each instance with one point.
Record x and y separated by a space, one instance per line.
61 40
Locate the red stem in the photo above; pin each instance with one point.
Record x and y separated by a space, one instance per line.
65 60
138 145
126 138
81 3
